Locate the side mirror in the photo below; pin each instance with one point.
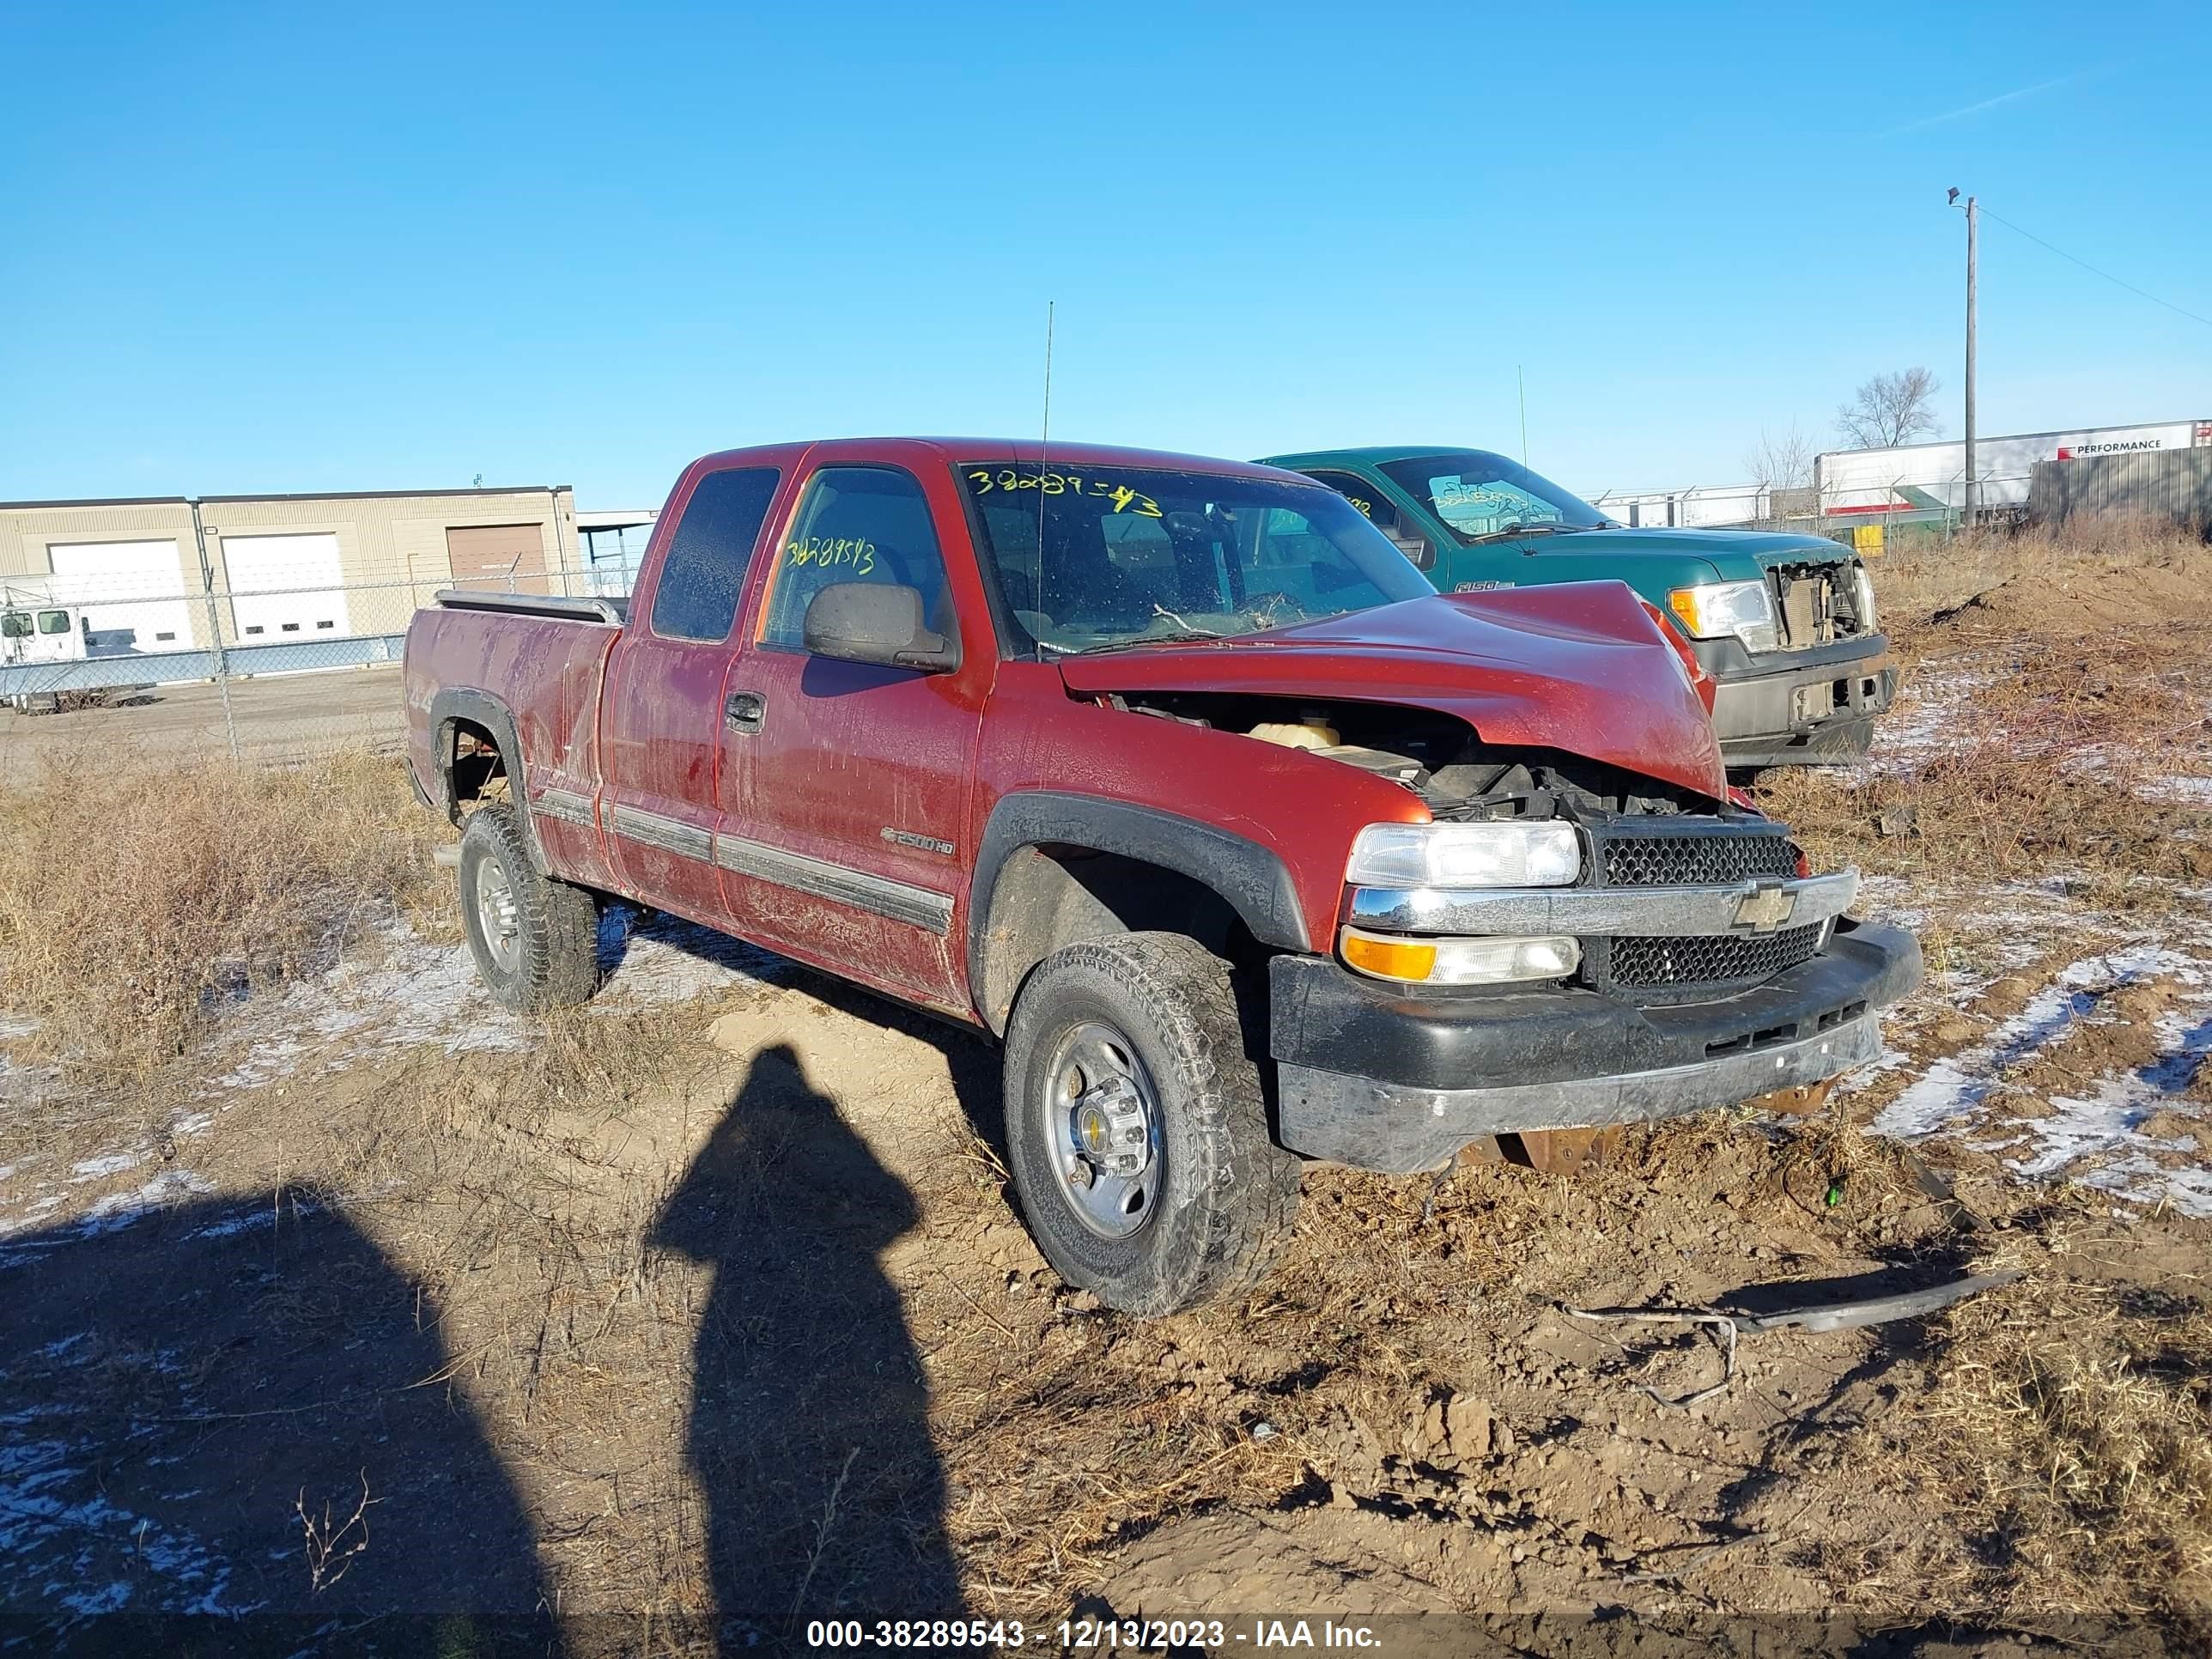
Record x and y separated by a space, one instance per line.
877 622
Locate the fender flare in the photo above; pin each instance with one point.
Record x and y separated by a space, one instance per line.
483 708
1251 879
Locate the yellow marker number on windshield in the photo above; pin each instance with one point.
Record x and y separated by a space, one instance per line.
1007 480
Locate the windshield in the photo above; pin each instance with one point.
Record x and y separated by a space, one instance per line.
1479 494
1135 556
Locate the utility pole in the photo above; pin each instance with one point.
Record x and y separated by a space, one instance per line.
1973 484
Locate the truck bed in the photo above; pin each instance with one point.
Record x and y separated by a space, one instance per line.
523 670
613 610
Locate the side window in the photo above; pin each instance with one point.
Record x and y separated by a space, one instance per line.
53 621
1381 513
16 625
857 524
1362 495
705 569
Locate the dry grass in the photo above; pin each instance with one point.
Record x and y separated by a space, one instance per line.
2080 672
2053 766
135 896
2068 1422
1921 580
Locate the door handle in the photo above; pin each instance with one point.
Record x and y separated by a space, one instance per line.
744 711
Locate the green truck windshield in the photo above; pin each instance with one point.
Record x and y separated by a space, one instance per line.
1132 556
1478 496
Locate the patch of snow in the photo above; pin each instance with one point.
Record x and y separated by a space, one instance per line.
40 1526
2182 791
2094 1137
170 1187
108 1163
111 1598
1953 1088
247 1221
415 994
1923 723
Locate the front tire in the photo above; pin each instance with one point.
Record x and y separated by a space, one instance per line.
536 940
1136 1128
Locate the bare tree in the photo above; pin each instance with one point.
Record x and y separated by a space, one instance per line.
1781 465
1891 409
1780 460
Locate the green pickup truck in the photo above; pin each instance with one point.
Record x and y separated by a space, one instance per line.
1784 623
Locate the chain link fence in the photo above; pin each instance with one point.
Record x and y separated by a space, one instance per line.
267 658
1839 516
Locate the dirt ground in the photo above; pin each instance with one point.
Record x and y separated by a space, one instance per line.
385 1320
279 718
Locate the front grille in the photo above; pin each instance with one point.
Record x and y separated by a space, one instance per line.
1715 858
1688 969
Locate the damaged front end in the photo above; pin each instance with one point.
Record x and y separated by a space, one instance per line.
1578 926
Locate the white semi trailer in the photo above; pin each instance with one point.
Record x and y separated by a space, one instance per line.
1929 481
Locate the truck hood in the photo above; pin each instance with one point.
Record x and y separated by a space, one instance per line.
1720 548
1577 666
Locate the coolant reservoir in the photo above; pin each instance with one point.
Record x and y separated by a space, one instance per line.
1295 735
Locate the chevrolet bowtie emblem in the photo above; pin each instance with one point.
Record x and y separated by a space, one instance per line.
1764 910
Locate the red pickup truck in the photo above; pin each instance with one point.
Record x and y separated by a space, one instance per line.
1178 777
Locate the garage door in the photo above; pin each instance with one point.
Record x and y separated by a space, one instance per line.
284 589
499 557
136 595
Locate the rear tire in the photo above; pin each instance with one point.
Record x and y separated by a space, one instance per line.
1141 1031
536 940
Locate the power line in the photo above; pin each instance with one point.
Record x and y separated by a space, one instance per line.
2093 271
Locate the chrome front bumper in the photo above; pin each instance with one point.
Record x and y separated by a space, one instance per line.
1744 908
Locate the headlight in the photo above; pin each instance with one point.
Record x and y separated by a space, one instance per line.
1863 597
1544 854
1458 961
1717 610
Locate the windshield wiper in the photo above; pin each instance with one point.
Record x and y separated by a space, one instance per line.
1173 636
1545 527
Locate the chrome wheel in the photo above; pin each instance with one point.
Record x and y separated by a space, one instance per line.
1101 1117
497 918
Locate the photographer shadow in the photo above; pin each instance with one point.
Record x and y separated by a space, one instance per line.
230 1427
809 1431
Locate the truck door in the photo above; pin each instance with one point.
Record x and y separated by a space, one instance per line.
660 719
845 784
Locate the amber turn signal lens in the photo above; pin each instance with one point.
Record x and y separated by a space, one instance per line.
1388 958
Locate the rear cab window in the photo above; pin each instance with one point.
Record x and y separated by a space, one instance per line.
704 570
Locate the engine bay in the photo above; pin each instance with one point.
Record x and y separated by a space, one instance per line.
1433 755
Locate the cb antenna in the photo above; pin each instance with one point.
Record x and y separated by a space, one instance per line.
1044 444
1521 381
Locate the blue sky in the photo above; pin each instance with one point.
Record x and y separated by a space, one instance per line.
301 247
